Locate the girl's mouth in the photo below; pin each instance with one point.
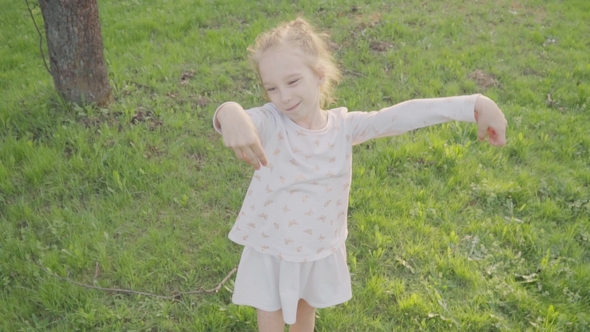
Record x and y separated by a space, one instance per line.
292 108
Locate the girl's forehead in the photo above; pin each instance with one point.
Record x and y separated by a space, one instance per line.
283 53
282 59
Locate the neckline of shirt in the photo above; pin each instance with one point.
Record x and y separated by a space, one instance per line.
297 127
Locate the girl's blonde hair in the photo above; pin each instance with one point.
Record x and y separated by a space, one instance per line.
299 33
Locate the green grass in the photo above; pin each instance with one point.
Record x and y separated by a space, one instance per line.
446 233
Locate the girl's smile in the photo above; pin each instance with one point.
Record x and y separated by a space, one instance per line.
292 108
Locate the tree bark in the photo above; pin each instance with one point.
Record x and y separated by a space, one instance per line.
74 42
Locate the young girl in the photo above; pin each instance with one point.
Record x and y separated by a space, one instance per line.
292 223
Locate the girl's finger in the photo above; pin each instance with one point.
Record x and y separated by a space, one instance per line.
239 154
501 137
497 137
481 131
251 158
260 155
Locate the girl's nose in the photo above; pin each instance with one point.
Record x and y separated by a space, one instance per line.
285 97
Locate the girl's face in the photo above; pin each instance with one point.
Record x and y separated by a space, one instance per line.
292 85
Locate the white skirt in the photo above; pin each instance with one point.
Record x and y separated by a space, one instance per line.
268 283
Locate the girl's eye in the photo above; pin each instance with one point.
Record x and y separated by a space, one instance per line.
294 81
270 89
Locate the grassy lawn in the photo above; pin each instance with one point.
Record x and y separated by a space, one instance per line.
446 233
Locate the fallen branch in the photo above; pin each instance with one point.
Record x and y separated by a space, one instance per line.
176 296
354 73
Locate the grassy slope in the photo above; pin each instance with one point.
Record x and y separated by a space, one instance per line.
445 233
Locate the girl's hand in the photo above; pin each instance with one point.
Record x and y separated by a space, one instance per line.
240 135
490 119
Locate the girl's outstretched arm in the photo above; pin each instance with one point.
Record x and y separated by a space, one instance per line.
490 119
240 134
419 113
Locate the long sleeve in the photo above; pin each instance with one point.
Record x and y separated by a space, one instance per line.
409 115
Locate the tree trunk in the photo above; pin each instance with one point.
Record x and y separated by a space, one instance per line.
74 42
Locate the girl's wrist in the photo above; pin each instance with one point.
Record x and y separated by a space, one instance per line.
225 112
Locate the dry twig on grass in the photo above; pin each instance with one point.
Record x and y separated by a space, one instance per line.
40 37
174 297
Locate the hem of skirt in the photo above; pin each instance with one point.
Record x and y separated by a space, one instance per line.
256 306
315 305
329 304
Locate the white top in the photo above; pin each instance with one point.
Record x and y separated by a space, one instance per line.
296 207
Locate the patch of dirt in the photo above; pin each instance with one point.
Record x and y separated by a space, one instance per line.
538 13
367 21
530 72
152 151
483 79
105 116
186 77
199 161
380 46
146 116
172 95
202 101
69 150
333 46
